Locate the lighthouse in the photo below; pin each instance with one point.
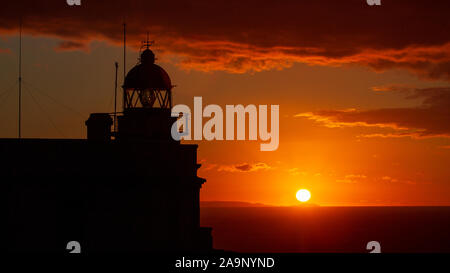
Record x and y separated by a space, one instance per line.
133 189
164 170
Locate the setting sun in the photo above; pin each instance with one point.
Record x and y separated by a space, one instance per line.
303 195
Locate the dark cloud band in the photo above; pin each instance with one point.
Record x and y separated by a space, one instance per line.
243 36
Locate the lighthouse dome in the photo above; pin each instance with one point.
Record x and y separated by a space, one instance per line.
147 75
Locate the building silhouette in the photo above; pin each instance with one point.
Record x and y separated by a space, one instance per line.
125 190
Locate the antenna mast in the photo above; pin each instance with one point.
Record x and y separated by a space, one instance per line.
115 97
124 55
20 80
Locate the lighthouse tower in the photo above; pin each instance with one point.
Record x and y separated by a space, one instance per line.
159 173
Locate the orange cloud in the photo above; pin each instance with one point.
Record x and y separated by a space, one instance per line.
251 36
356 178
245 167
5 51
71 46
296 171
430 119
352 178
392 87
396 180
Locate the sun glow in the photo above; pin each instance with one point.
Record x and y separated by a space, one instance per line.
303 195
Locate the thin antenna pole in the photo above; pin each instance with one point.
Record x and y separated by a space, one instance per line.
20 80
115 98
124 47
124 57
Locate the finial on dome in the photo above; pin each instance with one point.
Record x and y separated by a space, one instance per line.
147 56
147 44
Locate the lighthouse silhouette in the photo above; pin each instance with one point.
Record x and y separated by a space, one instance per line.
133 189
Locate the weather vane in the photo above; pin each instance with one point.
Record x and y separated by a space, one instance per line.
147 43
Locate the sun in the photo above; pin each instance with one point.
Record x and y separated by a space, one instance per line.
303 195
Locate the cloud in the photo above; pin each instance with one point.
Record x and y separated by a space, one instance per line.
245 167
251 36
392 87
296 171
352 178
389 179
396 180
71 46
430 119
357 178
5 51
208 167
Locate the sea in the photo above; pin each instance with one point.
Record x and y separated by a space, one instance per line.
329 229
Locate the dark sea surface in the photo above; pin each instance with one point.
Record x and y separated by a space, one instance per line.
328 229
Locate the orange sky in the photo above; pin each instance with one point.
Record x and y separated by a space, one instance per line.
363 91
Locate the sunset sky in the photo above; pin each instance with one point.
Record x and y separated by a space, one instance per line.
364 91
